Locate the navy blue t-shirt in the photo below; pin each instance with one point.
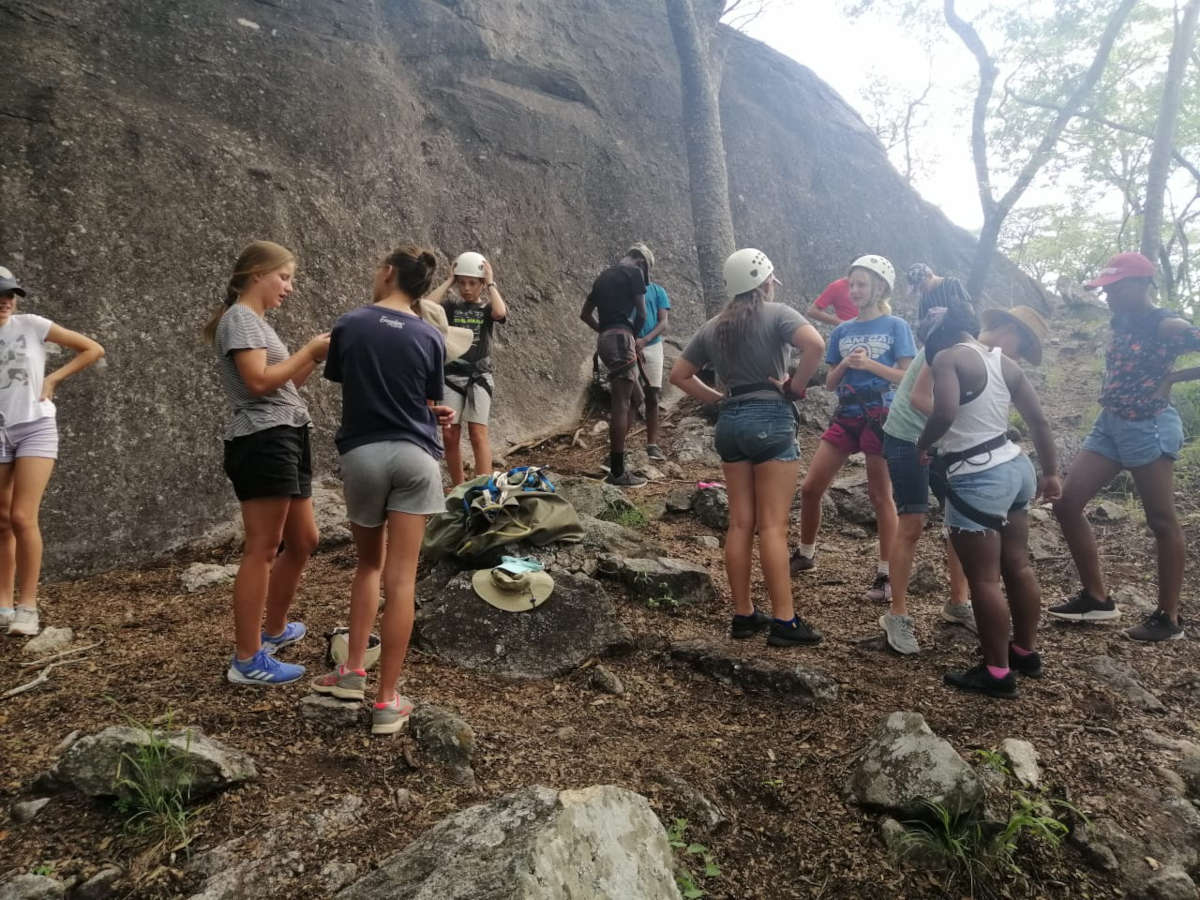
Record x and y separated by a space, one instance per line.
388 364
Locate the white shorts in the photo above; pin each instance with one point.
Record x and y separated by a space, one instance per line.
36 438
652 364
478 404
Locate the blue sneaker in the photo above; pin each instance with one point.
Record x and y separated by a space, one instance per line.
263 669
292 632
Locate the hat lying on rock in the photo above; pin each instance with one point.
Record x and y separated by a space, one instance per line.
512 592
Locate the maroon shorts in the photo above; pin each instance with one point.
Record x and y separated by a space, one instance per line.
859 433
618 352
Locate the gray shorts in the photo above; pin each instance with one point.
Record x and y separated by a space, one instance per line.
36 438
474 409
390 476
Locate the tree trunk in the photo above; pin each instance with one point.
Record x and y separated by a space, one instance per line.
995 211
1164 133
712 220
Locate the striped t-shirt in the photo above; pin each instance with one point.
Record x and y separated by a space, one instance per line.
241 328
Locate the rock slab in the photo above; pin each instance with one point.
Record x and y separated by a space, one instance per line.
534 844
32 887
1121 679
809 685
850 497
905 766
27 811
330 712
1023 760
576 623
52 640
200 575
662 581
711 506
446 737
95 764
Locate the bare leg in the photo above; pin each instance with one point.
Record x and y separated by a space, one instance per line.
652 395
1020 582
481 447
980 555
263 520
8 541
958 578
879 490
824 466
299 541
774 482
908 534
399 586
1156 486
1089 473
452 439
364 591
739 536
618 425
30 475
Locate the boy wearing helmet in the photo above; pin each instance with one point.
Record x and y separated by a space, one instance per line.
479 307
868 355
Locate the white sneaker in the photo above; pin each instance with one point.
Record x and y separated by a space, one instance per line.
24 622
7 614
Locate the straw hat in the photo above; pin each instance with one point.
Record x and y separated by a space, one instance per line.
458 340
1028 322
512 593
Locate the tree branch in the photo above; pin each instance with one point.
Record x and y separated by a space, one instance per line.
987 81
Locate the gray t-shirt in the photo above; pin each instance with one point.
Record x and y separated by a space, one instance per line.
241 328
762 354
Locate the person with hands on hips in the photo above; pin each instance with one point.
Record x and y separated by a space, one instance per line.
748 345
987 483
475 303
28 444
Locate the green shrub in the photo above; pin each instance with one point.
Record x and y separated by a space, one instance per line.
155 781
689 853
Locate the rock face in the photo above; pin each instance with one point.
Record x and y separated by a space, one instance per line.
575 623
546 134
94 765
534 844
905 765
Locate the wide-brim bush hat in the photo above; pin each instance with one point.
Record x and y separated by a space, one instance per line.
512 592
1028 321
339 648
458 340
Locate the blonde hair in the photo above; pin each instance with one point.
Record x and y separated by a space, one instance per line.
880 292
258 258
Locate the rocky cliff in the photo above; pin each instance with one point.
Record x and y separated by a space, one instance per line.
142 143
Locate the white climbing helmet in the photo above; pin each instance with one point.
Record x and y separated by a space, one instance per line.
873 262
745 270
469 264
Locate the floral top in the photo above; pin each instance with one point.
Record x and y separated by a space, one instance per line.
1138 360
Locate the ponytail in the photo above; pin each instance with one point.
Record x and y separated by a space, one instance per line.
257 258
412 269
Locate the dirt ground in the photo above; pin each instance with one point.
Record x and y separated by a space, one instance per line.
776 767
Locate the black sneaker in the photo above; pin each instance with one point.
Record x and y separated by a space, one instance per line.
801 563
748 626
1029 665
1157 627
654 452
978 680
1083 607
796 633
626 479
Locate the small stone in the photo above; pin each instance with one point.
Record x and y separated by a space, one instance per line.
32 887
99 886
63 745
707 541
447 738
336 875
1108 511
566 733
672 470
1169 883
25 812
330 711
606 681
711 506
1022 759
661 581
679 501
1128 596
403 798
199 576
52 640
691 803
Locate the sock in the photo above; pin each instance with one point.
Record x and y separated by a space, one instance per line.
998 672
808 550
616 463
1020 651
787 623
745 615
884 568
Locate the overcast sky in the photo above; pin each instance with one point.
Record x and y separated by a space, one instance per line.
816 34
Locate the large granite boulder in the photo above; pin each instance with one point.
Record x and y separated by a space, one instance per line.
596 843
577 622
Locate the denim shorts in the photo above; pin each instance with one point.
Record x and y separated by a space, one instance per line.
996 491
1136 442
910 479
756 431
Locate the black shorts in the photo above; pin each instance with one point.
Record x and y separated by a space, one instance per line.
275 462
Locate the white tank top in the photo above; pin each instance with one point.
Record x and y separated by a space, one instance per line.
981 419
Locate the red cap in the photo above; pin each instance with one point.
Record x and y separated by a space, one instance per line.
1123 265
